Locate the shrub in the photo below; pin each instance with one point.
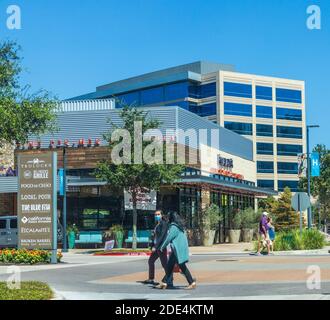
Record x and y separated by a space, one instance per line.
292 240
249 218
235 220
313 239
212 217
24 256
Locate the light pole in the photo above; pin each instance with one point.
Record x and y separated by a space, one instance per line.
65 243
309 217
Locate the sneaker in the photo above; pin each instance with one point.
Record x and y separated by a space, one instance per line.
149 281
191 286
162 285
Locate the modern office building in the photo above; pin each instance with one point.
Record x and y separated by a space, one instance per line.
267 110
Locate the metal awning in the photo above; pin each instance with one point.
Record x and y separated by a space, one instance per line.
227 185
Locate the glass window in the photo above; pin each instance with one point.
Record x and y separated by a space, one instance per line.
238 109
265 166
288 114
208 90
264 130
238 90
176 91
153 95
264 112
289 132
13 223
288 149
288 95
3 224
265 148
129 98
267 184
264 93
287 167
204 110
240 128
293 185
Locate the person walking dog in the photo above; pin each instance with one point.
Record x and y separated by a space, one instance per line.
180 252
159 235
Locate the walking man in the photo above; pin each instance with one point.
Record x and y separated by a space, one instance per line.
263 233
159 235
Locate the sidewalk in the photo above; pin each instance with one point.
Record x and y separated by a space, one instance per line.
227 248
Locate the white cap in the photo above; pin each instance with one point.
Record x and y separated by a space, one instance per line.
265 213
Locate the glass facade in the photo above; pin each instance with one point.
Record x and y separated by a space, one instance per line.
288 114
267 184
287 167
265 148
238 109
288 95
238 90
208 109
239 127
264 130
293 185
264 112
289 132
176 91
265 166
264 93
288 149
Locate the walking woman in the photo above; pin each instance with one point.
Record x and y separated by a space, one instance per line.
180 253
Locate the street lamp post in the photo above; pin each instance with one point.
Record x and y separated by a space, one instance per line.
65 243
309 216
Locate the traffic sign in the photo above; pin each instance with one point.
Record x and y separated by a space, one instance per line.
300 201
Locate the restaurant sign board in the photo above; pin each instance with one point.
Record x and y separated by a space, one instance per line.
37 201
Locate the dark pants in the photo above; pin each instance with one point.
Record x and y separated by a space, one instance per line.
169 270
152 259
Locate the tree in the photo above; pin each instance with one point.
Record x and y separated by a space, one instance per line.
129 174
320 186
284 215
22 113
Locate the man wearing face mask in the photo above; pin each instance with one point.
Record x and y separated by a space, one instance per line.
159 235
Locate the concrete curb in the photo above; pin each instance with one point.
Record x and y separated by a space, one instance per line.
57 295
276 253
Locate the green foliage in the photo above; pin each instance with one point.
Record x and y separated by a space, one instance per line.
24 256
22 113
31 290
211 217
249 218
73 228
285 218
313 239
320 186
235 217
292 240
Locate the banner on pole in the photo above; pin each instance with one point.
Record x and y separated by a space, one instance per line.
315 164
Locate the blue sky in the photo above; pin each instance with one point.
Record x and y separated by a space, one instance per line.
72 46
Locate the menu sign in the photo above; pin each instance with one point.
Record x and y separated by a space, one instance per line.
35 202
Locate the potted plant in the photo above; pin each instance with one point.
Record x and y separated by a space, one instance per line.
235 226
118 231
248 224
72 231
211 219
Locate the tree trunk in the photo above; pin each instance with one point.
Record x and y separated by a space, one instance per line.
134 242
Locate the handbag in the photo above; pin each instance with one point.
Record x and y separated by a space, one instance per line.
176 268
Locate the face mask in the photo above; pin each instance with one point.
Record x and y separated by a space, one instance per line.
158 218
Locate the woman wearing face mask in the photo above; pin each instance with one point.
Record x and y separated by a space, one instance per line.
180 252
159 235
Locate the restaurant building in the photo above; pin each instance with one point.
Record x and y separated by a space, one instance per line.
223 171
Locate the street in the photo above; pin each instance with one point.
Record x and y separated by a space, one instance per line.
219 276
